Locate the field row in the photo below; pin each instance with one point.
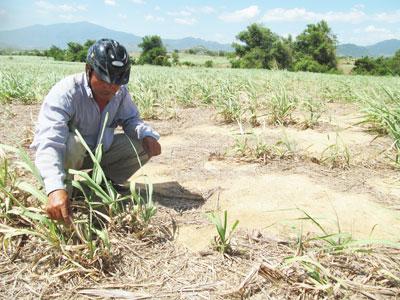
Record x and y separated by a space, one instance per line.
28 79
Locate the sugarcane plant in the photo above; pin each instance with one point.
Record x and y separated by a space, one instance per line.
7 183
19 218
384 117
105 205
101 209
222 241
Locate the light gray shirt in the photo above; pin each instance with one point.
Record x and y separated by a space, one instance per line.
70 105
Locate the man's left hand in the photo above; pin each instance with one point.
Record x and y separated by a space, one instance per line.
151 146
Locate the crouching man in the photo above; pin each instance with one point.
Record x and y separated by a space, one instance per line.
81 102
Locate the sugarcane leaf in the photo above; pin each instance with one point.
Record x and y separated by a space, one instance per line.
27 187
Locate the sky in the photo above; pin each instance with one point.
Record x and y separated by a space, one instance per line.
359 22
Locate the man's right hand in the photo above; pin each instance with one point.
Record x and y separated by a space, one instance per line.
58 206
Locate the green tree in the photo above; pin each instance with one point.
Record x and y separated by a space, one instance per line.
175 57
282 52
364 65
395 63
261 48
153 51
318 43
375 66
55 52
74 52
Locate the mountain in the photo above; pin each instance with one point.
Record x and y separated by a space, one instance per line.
351 50
384 48
44 36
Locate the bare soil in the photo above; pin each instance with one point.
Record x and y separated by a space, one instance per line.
361 200
198 172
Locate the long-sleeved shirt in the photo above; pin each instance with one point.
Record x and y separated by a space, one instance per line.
70 105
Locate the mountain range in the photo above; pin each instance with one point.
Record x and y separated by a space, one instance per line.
384 48
44 36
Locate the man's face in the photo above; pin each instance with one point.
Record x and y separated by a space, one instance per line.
102 89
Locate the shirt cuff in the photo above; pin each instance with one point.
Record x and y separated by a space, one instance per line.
52 184
153 134
145 130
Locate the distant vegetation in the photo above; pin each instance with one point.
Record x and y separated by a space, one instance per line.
153 52
313 50
378 66
74 51
204 51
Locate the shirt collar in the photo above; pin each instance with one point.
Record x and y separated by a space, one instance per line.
86 85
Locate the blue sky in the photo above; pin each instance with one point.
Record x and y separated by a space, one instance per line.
360 22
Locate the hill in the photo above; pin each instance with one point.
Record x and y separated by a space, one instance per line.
44 36
384 48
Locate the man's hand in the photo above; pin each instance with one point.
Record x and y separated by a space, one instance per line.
58 206
151 146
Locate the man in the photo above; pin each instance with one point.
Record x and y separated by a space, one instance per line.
81 102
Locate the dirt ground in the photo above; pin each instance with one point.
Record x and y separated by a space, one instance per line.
198 172
362 200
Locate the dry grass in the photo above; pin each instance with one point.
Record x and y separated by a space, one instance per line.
154 267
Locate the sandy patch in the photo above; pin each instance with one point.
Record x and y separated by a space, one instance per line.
274 202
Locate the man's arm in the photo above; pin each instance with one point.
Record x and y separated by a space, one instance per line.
50 145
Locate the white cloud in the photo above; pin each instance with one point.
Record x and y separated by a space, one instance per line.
373 29
110 2
181 13
241 15
46 7
301 14
123 16
222 38
68 8
185 21
207 10
152 18
370 34
389 17
356 15
2 12
157 8
139 1
189 11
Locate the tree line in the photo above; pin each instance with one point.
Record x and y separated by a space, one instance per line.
258 47
378 66
313 50
74 51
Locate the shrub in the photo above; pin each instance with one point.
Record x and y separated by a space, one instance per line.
188 63
209 64
308 64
